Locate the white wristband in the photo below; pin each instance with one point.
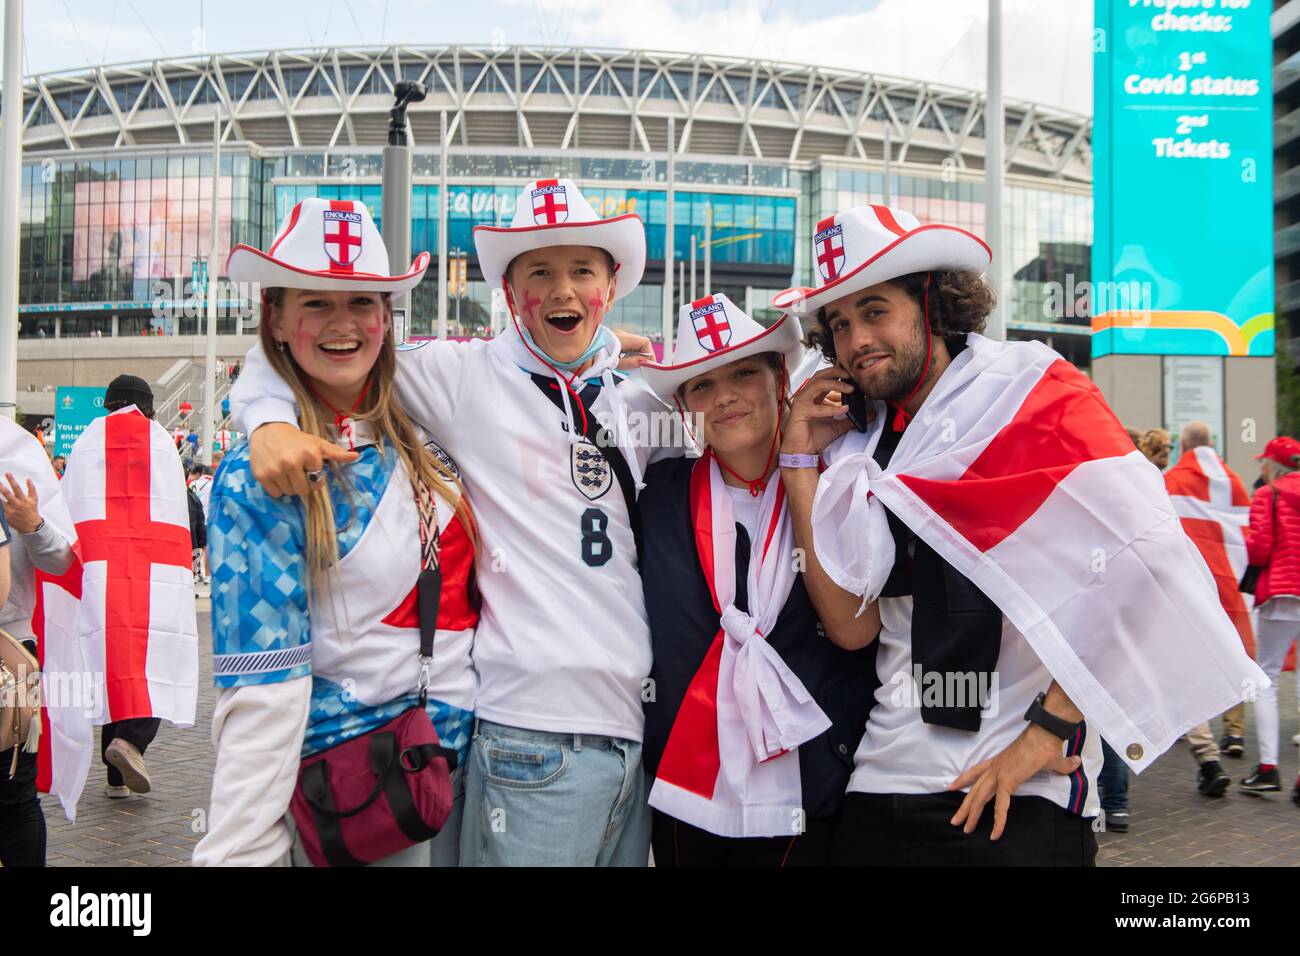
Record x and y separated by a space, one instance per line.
799 461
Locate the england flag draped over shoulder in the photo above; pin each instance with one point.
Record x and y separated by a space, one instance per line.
1215 510
1019 475
63 758
127 608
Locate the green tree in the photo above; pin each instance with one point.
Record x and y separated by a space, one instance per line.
1288 394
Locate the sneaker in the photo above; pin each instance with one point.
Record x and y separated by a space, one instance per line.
1296 740
1213 781
1262 781
1233 746
1117 821
1295 792
126 758
116 793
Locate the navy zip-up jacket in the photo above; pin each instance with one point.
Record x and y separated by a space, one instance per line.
683 623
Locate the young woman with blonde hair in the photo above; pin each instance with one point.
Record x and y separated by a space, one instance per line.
323 607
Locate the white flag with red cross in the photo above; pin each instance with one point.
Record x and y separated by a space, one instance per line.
550 202
710 321
828 248
342 233
129 602
65 748
1017 473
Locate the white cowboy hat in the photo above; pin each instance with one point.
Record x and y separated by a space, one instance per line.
330 245
867 245
713 332
552 212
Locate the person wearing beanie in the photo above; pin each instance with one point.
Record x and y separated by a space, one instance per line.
129 390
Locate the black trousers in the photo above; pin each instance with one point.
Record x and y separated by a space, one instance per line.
913 830
22 822
680 844
139 731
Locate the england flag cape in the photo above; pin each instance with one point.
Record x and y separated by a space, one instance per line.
122 619
62 760
1017 473
1214 508
731 765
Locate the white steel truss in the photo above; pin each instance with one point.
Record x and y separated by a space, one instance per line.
546 98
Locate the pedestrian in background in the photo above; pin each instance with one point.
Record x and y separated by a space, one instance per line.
1273 544
30 494
1157 444
123 742
1213 505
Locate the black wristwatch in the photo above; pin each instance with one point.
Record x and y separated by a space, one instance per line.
1056 726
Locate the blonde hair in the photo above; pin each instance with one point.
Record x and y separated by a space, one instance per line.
391 424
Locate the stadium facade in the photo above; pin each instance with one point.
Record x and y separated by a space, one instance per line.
117 178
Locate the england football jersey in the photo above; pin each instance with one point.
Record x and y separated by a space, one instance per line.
563 644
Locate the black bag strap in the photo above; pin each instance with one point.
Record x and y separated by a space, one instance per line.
383 754
316 788
600 437
396 789
429 584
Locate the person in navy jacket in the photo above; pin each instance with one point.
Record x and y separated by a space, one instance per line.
720 574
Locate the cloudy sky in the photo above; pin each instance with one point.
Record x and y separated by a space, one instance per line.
1047 56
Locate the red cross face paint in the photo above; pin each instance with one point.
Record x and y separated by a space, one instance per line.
335 338
563 293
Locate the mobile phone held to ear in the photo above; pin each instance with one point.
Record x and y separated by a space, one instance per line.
856 403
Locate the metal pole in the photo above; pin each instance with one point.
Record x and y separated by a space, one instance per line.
694 293
11 165
459 292
444 201
396 211
889 158
668 246
708 251
681 280
994 170
210 366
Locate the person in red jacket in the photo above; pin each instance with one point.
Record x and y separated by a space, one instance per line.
1273 543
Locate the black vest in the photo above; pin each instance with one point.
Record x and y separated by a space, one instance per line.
683 623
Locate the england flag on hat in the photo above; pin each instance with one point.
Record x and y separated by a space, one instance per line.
550 202
712 332
709 316
328 245
553 212
866 245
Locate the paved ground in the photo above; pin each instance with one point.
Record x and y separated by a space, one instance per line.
1172 824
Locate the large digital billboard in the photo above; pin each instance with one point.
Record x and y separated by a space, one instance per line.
1182 257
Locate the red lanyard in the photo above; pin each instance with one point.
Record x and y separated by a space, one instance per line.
343 420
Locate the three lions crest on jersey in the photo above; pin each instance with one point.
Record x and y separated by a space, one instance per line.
591 472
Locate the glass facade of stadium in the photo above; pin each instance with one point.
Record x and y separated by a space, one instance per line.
107 234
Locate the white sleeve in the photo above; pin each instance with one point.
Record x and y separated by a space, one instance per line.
260 395
257 730
428 384
430 379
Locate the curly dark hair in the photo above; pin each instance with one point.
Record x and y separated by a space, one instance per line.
959 303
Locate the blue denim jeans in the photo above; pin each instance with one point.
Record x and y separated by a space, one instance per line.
540 799
1112 782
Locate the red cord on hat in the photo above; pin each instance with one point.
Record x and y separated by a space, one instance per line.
901 418
566 379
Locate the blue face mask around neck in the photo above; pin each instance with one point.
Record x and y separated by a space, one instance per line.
603 338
